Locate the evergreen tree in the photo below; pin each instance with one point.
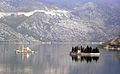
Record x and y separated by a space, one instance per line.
73 49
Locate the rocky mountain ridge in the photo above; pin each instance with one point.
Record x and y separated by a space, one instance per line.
85 22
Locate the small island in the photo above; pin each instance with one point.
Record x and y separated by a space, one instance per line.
88 51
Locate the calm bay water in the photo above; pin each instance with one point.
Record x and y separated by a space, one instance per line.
55 59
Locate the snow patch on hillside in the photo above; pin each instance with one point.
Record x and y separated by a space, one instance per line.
48 12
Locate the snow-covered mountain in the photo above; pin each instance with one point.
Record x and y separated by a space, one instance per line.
88 21
49 12
60 26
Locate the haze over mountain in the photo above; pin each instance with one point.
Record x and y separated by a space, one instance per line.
90 20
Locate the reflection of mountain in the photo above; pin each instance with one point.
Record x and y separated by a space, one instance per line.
85 58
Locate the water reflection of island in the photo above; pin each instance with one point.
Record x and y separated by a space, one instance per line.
85 58
24 55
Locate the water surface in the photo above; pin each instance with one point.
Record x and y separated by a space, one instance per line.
55 59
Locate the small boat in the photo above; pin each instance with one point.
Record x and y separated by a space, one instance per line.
26 50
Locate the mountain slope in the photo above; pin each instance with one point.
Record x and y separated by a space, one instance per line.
6 33
88 21
9 34
112 44
63 26
102 15
53 27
